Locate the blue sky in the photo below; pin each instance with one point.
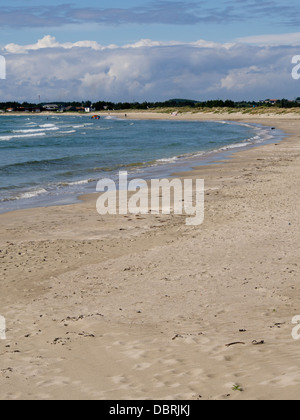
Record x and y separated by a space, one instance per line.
74 33
117 21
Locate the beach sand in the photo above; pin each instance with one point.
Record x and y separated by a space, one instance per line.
145 307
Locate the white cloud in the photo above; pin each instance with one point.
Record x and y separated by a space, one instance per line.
292 39
146 70
241 79
50 42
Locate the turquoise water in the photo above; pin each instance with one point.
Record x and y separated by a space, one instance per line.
49 160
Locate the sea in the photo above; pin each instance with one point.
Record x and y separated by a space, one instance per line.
51 160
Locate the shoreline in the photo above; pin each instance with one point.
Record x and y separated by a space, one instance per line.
215 113
144 307
183 163
217 157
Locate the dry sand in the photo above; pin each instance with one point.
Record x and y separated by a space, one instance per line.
144 307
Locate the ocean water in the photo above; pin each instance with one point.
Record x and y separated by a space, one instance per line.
51 160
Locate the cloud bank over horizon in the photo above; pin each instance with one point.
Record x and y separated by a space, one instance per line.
147 70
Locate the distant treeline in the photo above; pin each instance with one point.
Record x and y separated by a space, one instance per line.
181 103
173 103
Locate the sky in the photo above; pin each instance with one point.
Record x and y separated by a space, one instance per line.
148 50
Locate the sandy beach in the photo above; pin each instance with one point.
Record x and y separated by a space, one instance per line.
145 307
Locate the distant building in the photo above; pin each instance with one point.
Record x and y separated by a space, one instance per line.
51 107
10 110
272 101
89 109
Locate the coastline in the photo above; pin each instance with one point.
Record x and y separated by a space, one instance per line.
44 195
121 307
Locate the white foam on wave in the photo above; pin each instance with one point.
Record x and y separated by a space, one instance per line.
47 125
36 130
26 195
221 122
262 135
82 182
114 118
32 194
232 146
19 136
168 160
83 125
68 132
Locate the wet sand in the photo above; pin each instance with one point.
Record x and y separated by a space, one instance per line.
145 307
